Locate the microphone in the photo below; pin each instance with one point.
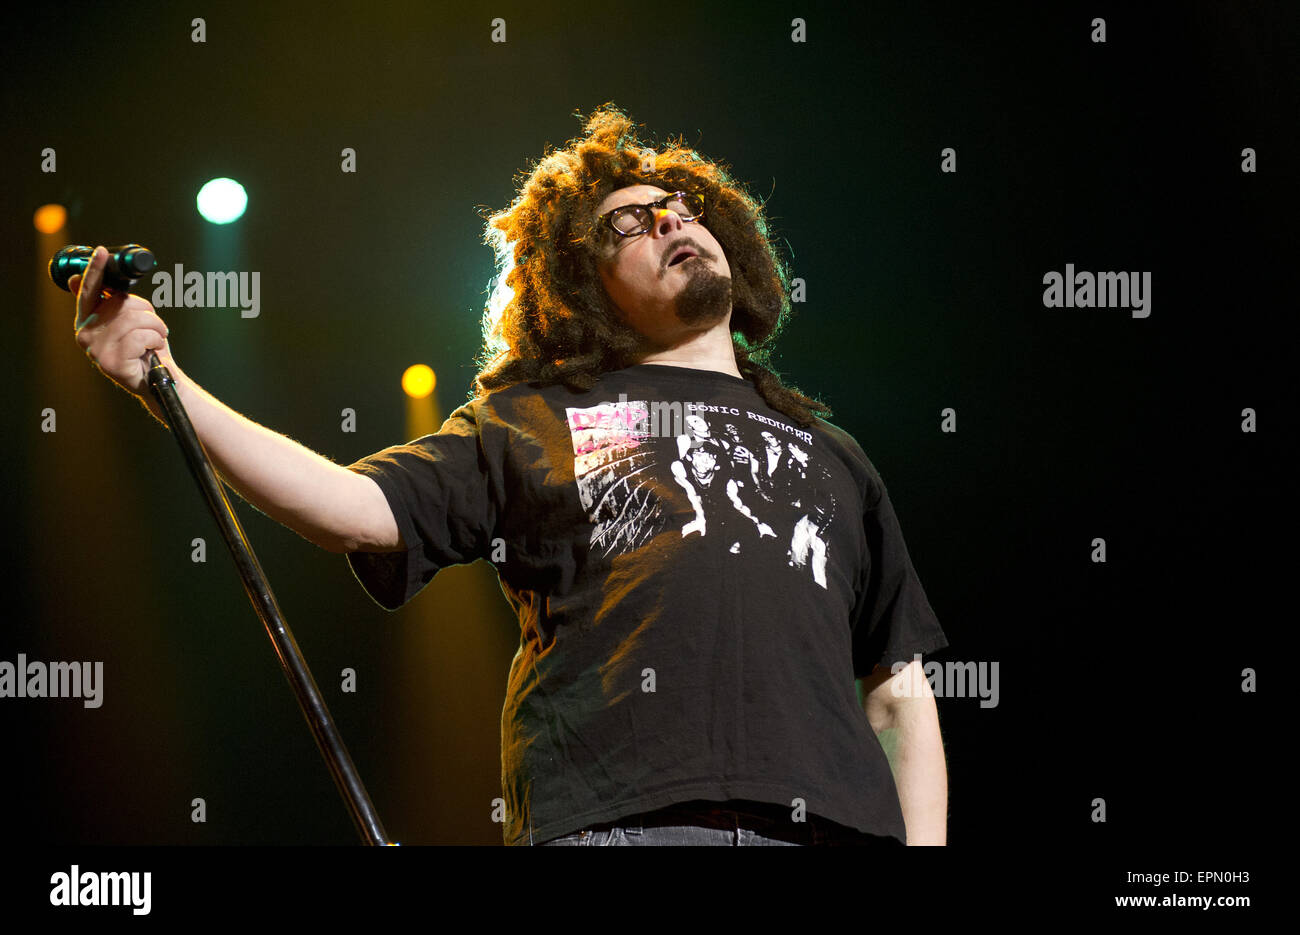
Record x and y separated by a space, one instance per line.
126 264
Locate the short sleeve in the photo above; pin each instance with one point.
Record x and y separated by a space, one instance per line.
893 619
438 489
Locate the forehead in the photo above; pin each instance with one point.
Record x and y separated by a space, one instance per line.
631 195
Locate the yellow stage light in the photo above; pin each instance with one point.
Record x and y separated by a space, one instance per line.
49 219
418 381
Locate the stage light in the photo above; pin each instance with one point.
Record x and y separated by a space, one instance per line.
418 381
221 201
49 219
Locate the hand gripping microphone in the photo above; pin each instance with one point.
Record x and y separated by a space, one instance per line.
126 264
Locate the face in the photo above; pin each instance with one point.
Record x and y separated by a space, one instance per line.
702 461
664 303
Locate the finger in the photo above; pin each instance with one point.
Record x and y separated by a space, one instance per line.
139 342
105 312
156 338
128 313
90 320
74 286
91 283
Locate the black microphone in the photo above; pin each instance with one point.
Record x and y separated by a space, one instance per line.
126 264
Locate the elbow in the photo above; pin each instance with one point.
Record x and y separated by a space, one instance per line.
890 698
881 716
336 545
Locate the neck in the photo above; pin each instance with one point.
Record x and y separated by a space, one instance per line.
700 350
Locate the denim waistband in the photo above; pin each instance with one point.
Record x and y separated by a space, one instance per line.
774 821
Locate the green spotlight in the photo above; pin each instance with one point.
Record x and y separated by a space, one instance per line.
222 201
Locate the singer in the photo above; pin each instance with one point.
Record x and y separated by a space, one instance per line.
720 624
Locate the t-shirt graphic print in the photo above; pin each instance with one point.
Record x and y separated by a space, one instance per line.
743 480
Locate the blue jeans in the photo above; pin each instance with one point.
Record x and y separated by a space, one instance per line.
730 824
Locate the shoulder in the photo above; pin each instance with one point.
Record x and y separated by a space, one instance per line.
854 455
555 393
533 409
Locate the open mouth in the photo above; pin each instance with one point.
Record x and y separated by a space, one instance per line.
681 258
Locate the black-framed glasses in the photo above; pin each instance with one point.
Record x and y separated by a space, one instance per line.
630 220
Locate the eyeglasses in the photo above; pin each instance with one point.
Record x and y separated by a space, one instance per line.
630 220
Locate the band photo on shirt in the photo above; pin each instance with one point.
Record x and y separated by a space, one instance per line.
745 484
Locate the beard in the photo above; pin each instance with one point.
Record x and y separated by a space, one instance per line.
706 297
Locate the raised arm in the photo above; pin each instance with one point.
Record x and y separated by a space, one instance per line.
323 502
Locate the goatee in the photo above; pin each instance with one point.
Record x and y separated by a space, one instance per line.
706 297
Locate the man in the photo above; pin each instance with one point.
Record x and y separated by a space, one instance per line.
704 470
669 686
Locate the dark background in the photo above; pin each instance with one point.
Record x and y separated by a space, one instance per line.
924 291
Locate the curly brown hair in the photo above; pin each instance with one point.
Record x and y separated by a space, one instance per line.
554 322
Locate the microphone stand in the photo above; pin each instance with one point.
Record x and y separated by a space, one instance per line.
163 387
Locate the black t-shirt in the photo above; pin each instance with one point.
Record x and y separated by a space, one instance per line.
698 583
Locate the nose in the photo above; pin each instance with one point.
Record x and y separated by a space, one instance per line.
666 221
